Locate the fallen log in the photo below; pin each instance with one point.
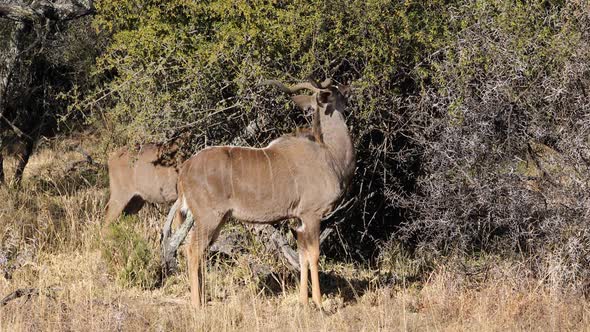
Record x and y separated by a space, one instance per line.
28 292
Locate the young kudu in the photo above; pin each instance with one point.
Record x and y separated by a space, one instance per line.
139 177
293 177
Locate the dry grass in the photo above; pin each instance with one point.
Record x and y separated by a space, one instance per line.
50 241
87 298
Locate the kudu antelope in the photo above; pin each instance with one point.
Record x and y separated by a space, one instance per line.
292 177
23 151
136 177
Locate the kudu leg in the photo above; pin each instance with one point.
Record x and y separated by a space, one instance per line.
313 252
115 207
304 267
308 242
23 161
194 255
201 235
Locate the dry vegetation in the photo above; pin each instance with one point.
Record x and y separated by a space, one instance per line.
471 200
50 233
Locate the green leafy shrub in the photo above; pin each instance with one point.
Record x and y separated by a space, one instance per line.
198 66
129 255
450 99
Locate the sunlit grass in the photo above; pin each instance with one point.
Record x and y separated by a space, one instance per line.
52 242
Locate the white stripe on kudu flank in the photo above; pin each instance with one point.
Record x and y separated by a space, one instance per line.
271 174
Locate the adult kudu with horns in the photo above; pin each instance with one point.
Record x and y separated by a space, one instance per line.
292 177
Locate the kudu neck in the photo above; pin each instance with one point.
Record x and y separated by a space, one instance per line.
338 141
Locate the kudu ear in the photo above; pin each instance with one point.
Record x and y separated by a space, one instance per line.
324 97
305 102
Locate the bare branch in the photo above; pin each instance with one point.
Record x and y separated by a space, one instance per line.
280 244
39 11
166 243
19 293
28 292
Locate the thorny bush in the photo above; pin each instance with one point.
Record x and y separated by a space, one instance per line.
470 118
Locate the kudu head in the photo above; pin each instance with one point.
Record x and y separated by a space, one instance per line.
333 98
326 96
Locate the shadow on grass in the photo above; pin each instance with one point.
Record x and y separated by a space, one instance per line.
331 284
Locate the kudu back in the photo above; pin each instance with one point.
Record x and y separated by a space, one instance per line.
292 177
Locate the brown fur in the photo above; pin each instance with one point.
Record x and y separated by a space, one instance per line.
22 150
144 173
292 177
136 176
313 133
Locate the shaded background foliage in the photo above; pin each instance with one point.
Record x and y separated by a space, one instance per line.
53 58
41 62
203 74
469 117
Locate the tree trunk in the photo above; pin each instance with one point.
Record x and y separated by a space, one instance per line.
1 166
23 161
27 15
15 47
41 10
